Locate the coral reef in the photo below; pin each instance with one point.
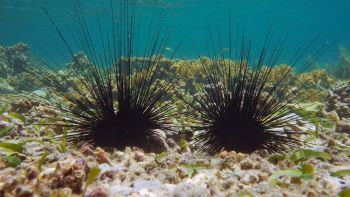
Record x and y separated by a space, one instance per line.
339 100
11 60
343 126
319 79
12 56
342 70
317 82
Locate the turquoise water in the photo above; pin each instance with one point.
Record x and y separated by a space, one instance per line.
25 21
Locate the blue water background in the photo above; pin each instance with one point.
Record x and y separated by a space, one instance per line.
25 21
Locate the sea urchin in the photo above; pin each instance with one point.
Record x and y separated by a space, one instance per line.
117 100
243 105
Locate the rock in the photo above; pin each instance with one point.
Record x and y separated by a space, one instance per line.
40 93
223 154
158 142
24 191
31 173
139 156
87 150
147 184
5 87
102 155
23 105
333 116
249 178
246 165
343 126
99 192
2 165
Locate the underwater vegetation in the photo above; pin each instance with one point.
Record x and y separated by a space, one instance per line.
239 107
115 101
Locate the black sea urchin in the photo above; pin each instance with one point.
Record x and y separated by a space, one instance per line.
117 101
240 107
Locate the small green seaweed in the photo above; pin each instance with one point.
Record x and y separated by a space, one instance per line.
42 159
245 193
192 170
17 116
305 154
160 156
36 129
183 144
93 174
4 108
15 147
272 180
5 130
326 123
39 141
312 117
276 158
345 192
63 146
312 134
307 169
305 172
342 147
341 173
11 161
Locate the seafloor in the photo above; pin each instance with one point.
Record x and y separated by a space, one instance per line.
31 165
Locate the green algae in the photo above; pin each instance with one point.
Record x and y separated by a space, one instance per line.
276 158
305 154
4 131
273 179
42 159
345 192
93 174
160 156
15 147
17 116
341 173
11 161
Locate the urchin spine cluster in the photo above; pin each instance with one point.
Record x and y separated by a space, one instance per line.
238 107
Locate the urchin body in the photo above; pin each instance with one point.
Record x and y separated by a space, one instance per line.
239 122
123 129
240 132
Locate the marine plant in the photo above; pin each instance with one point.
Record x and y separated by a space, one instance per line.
241 106
111 99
